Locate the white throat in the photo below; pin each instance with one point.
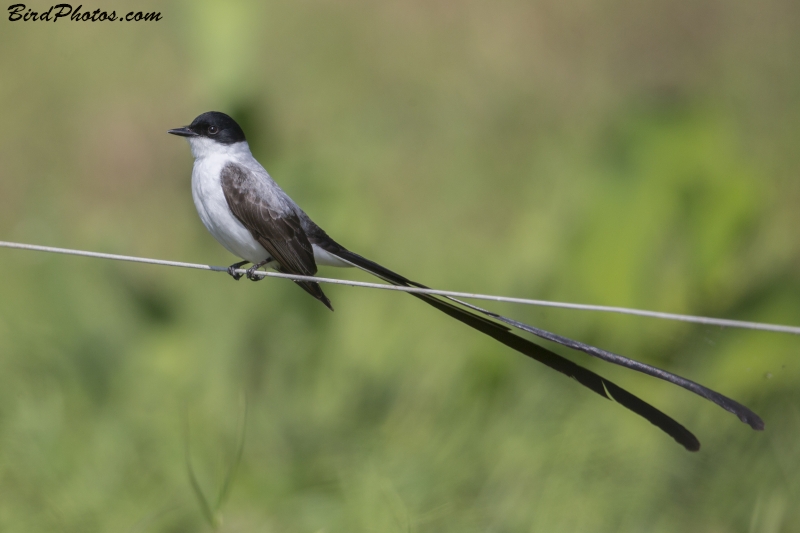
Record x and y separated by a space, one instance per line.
205 147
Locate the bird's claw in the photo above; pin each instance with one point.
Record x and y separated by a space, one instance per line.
251 273
234 267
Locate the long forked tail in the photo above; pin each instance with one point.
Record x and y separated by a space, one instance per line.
503 334
587 378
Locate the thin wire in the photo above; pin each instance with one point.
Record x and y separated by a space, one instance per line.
708 321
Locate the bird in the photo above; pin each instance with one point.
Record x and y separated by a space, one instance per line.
247 212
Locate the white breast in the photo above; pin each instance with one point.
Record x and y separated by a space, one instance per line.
212 207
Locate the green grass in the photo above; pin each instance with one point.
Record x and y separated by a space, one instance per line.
613 154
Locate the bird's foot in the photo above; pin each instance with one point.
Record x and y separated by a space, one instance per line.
251 272
232 269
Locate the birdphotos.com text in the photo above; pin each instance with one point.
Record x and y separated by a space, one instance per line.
22 13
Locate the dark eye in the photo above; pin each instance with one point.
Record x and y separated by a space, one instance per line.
212 130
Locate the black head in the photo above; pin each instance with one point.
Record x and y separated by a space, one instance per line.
213 125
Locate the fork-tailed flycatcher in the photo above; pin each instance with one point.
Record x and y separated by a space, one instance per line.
251 216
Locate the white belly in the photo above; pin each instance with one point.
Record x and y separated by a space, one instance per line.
322 257
209 199
216 215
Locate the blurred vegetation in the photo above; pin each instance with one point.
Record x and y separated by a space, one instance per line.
621 153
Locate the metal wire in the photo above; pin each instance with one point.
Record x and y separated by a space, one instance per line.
708 321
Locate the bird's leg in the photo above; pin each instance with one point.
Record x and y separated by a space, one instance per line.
251 272
233 267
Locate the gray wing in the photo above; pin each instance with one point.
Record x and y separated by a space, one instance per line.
279 231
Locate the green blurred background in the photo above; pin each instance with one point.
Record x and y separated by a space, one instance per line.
638 154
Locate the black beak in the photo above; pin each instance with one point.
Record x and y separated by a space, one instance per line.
183 132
